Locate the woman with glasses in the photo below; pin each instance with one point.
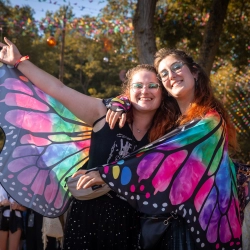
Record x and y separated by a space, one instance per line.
107 222
188 171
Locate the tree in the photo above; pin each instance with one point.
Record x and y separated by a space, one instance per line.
212 34
143 22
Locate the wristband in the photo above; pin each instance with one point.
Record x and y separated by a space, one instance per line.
23 58
120 103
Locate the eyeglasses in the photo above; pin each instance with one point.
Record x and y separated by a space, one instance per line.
175 68
137 87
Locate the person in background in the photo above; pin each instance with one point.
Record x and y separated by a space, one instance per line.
11 222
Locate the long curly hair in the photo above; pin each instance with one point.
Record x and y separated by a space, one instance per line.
164 118
204 99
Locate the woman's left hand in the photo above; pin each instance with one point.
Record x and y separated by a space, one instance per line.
90 179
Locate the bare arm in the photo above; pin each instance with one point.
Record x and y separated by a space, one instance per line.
86 108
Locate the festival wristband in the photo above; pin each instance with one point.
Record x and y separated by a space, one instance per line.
117 104
23 58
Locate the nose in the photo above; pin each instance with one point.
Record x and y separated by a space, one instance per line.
144 89
171 74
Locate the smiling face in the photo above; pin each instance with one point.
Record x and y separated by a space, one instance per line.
180 82
145 95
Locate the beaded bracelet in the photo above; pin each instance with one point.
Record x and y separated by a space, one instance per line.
23 58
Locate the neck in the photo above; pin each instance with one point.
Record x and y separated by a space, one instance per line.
142 122
184 105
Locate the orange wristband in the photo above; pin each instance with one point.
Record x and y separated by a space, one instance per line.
23 58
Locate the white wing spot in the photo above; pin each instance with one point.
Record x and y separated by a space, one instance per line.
180 208
184 212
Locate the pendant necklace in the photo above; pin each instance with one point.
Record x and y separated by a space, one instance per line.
138 130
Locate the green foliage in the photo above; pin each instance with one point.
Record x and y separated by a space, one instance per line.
182 24
234 91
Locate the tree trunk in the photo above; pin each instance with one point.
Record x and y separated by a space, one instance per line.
212 33
143 22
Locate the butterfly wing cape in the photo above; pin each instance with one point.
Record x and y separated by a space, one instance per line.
188 172
44 144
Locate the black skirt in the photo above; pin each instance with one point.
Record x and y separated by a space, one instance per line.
177 237
102 223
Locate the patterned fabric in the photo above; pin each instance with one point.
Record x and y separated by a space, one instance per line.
45 143
120 103
188 171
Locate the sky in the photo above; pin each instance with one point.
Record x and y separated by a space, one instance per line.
80 7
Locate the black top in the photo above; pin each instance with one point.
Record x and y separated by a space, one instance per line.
111 145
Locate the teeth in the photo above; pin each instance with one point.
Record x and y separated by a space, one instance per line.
145 99
176 83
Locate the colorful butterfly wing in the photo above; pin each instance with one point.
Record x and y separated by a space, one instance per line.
44 144
188 172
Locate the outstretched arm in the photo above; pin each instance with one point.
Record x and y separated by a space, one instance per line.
86 108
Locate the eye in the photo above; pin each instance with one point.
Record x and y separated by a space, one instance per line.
164 73
177 66
153 86
137 86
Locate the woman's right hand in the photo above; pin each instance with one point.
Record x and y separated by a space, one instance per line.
9 54
113 116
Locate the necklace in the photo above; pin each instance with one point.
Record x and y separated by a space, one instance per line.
138 130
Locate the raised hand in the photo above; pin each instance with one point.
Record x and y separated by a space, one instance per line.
9 54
